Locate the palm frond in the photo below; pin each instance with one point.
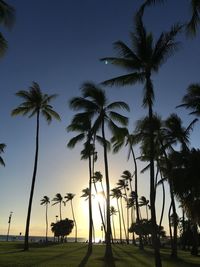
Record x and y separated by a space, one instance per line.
127 79
118 105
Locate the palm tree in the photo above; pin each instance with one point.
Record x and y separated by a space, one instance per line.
69 197
2 147
83 128
191 99
116 193
58 199
122 184
7 18
97 108
113 212
127 139
45 201
98 178
35 104
144 202
144 59
87 195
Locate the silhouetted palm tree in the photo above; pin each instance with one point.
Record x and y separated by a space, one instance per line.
144 202
123 184
97 108
7 18
87 195
116 193
83 127
2 147
35 104
69 197
58 199
45 201
98 178
113 212
127 139
191 99
144 58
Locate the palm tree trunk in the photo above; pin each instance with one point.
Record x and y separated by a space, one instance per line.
123 219
155 239
26 243
90 208
132 221
120 223
108 252
100 210
175 221
46 223
170 228
127 217
74 221
163 204
136 198
113 228
60 211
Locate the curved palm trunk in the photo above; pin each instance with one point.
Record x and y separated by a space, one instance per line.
108 252
155 239
46 223
163 204
120 223
136 198
90 207
74 221
122 213
26 243
169 221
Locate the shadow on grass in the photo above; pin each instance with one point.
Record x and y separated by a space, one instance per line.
85 259
131 255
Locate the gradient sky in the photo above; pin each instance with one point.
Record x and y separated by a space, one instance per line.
58 44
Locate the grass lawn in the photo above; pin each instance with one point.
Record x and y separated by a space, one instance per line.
71 255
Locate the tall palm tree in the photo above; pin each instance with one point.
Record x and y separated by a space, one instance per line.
2 147
83 129
35 104
58 199
145 58
113 212
7 18
45 201
97 108
69 197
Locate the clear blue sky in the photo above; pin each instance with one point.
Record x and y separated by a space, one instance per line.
58 44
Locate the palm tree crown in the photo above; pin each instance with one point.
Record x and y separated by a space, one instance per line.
36 102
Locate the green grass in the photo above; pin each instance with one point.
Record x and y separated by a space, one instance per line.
71 255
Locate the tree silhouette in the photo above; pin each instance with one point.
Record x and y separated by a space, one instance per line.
69 197
45 201
58 199
35 104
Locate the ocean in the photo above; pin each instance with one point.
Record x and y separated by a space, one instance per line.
36 239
